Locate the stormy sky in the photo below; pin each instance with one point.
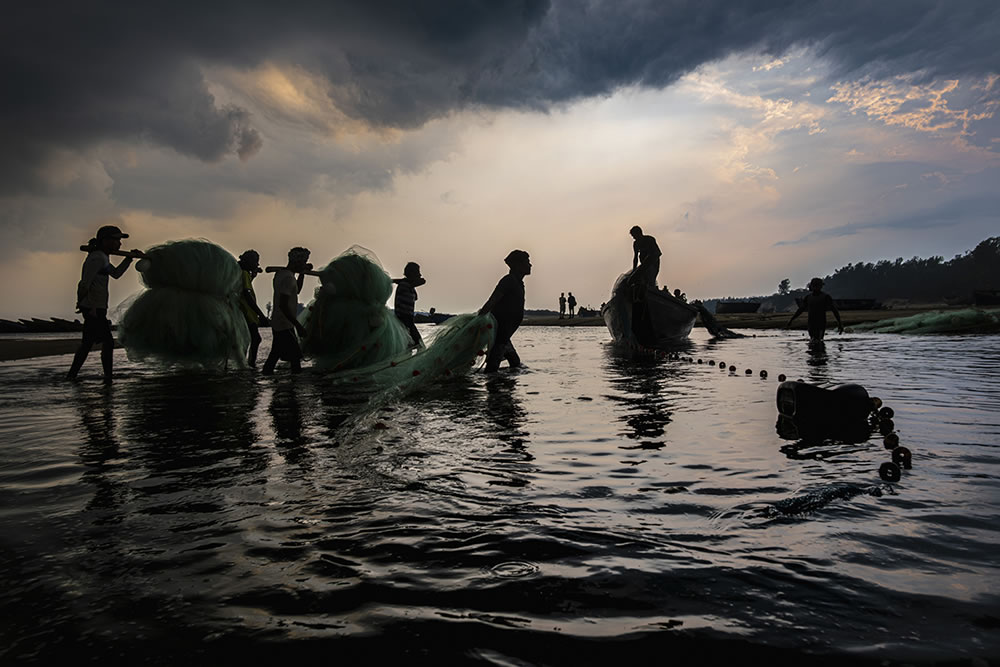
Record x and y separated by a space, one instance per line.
755 140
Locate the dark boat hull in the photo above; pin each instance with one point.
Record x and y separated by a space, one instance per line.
647 318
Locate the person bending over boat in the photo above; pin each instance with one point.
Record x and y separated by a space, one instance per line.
406 299
92 297
645 252
284 318
817 302
507 305
250 264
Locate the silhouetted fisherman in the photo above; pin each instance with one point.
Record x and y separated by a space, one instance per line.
284 319
507 305
647 253
92 297
562 305
250 263
817 302
571 300
406 298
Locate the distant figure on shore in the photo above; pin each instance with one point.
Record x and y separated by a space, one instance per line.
507 305
817 302
406 299
680 295
647 253
571 300
562 305
284 322
92 298
250 264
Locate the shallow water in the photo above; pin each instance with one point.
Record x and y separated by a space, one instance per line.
513 520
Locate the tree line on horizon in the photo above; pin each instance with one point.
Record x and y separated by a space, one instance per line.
927 280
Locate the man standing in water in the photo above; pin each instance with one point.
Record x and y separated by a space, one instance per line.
92 298
507 305
284 319
817 302
646 252
250 264
406 299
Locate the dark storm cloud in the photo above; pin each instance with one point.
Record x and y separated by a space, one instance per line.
76 74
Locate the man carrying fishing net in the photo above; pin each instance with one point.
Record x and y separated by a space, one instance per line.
92 296
250 266
284 317
507 305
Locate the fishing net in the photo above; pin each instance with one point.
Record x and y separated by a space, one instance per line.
190 315
969 320
347 323
351 334
460 342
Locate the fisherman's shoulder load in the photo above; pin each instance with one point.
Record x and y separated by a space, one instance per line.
190 313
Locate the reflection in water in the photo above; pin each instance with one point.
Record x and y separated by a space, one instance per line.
99 451
819 444
640 381
504 410
194 430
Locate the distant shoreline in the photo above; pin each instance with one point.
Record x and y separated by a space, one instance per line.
762 320
13 349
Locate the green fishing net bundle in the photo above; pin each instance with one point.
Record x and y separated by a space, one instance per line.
968 320
460 343
190 315
348 324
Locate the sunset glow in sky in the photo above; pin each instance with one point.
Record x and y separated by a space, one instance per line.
755 141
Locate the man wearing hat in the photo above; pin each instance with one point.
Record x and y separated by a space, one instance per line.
92 297
817 302
507 305
250 264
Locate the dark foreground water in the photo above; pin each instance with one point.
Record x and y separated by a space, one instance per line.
590 508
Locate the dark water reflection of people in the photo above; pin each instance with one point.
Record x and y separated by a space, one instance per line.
99 450
645 411
286 413
504 410
195 429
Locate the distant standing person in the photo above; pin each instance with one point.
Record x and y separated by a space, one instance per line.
406 299
571 300
646 252
250 264
507 305
817 302
92 298
562 305
284 319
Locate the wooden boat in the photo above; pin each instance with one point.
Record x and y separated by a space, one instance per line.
638 316
431 318
727 307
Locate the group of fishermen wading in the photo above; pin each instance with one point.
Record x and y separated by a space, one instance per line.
506 303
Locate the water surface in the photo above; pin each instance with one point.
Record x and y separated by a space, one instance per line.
587 507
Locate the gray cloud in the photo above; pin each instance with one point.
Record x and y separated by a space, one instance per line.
75 75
